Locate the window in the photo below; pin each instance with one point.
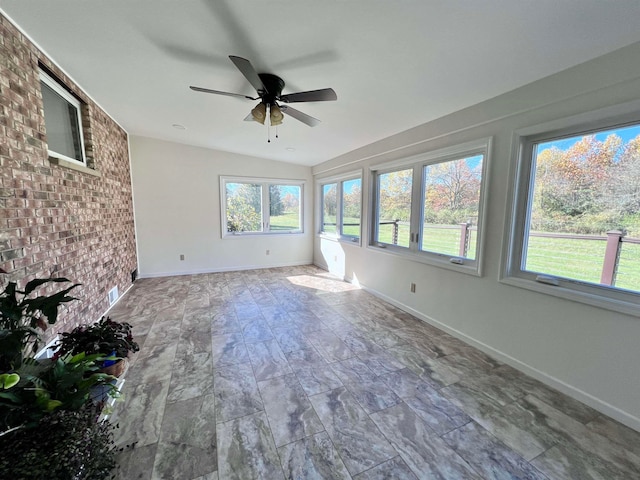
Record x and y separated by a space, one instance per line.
341 204
576 222
263 206
351 208
451 203
393 208
63 121
329 208
430 206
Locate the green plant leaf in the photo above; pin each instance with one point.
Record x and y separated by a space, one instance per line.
33 284
8 380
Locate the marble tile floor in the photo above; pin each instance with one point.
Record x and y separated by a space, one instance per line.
290 373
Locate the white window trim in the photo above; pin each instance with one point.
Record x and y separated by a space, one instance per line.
520 182
57 87
417 162
338 180
265 182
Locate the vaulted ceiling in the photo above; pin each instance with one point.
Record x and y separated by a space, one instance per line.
393 64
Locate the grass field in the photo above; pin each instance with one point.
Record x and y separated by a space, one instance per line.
288 221
582 260
569 258
576 259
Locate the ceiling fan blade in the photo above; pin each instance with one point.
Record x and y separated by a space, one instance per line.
298 115
323 95
249 72
218 92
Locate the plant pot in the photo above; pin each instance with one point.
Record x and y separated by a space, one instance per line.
117 369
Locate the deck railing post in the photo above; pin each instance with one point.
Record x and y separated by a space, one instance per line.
395 231
464 239
611 256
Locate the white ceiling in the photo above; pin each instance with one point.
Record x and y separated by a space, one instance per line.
394 64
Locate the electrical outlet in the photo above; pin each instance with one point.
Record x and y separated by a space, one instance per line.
268 252
413 288
181 257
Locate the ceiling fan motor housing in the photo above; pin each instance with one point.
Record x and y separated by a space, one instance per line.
274 85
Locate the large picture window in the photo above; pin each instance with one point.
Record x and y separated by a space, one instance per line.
63 121
576 223
431 206
252 206
341 207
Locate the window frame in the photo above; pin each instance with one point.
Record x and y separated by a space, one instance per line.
521 188
265 183
339 180
417 163
58 88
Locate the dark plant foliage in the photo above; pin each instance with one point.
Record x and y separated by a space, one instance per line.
105 337
23 316
64 383
65 445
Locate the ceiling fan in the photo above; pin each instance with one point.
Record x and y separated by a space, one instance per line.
269 88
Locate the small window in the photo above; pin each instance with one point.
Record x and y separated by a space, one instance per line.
261 206
284 208
63 121
341 207
578 220
329 208
430 206
393 207
350 219
451 205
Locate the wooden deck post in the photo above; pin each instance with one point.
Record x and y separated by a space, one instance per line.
611 255
464 239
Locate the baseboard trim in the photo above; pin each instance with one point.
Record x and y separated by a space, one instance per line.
223 269
604 407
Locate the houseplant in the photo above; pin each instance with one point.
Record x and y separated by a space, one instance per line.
48 426
106 337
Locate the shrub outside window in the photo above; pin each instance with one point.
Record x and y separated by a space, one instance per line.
261 206
341 207
431 206
577 227
63 121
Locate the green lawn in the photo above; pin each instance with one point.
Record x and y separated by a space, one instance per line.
434 239
288 221
582 260
577 259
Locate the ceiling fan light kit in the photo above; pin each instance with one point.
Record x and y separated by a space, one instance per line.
259 113
269 88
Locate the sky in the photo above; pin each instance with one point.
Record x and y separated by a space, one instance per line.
626 134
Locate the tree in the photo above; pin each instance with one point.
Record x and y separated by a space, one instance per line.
330 200
276 206
244 208
351 203
395 195
453 185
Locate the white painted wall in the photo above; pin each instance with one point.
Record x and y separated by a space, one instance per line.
588 352
177 211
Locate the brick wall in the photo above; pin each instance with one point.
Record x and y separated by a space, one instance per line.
57 221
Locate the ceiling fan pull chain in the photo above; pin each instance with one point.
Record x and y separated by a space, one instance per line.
268 133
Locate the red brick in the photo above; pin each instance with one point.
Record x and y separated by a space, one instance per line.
42 199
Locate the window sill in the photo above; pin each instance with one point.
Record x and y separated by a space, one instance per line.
600 301
335 238
468 267
261 234
74 166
